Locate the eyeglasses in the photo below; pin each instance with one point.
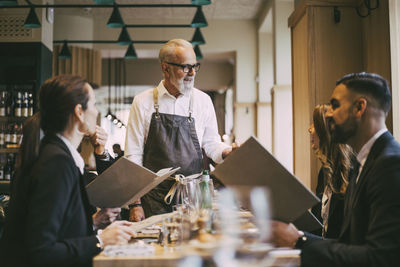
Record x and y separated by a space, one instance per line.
186 67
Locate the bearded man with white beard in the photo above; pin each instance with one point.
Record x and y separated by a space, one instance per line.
169 126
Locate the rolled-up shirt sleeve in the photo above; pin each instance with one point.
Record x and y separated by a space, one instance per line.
211 141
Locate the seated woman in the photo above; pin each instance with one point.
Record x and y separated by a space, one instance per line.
333 176
49 221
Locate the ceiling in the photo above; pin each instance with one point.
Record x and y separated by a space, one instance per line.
218 9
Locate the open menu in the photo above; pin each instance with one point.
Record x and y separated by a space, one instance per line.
123 183
252 165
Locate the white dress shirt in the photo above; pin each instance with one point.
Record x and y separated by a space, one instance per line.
79 162
203 113
364 152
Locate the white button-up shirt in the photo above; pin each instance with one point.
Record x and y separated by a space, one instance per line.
203 113
364 152
79 162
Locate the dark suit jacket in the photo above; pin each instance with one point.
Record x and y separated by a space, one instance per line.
370 234
336 207
49 222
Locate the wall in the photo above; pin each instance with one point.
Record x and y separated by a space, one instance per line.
65 27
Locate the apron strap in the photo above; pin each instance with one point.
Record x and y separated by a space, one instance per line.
156 106
155 99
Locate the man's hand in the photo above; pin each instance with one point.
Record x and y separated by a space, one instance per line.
228 150
284 235
117 233
99 140
136 214
104 217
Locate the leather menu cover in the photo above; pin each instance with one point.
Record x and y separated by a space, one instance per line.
123 183
252 165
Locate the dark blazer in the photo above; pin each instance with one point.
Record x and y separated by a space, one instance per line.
49 221
370 235
336 207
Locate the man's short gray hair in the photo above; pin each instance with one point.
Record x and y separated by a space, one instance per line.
167 52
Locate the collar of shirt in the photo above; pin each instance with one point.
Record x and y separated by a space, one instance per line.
163 91
363 154
75 155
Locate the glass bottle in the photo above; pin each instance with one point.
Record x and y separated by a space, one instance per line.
3 99
8 168
2 136
7 136
25 105
30 104
206 193
14 131
18 105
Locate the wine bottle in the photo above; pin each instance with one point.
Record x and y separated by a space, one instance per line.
30 107
25 105
18 105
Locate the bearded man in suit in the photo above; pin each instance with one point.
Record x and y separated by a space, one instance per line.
370 235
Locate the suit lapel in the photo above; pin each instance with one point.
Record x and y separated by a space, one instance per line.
354 189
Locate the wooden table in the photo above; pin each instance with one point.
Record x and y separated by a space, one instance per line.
167 258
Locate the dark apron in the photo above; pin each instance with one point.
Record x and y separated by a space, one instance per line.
172 142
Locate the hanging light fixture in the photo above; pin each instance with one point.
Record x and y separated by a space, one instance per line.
198 38
32 21
8 2
199 20
124 38
201 2
65 53
130 52
104 2
198 53
115 20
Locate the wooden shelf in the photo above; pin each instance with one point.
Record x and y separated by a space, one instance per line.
4 187
9 150
12 119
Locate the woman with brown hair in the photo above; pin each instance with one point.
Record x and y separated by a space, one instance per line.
49 221
333 177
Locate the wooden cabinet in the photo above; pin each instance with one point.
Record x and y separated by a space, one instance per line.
322 52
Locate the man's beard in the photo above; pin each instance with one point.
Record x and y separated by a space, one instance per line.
182 85
342 133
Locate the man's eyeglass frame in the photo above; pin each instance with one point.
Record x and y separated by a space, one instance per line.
186 68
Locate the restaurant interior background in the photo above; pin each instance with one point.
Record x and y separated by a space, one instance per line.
265 63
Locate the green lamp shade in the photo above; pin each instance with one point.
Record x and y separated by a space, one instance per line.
65 53
201 2
198 38
124 38
199 20
115 20
32 20
8 3
130 53
104 2
198 53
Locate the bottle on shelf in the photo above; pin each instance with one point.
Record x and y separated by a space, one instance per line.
18 105
3 103
10 102
19 134
14 130
30 103
25 105
7 135
2 135
8 168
